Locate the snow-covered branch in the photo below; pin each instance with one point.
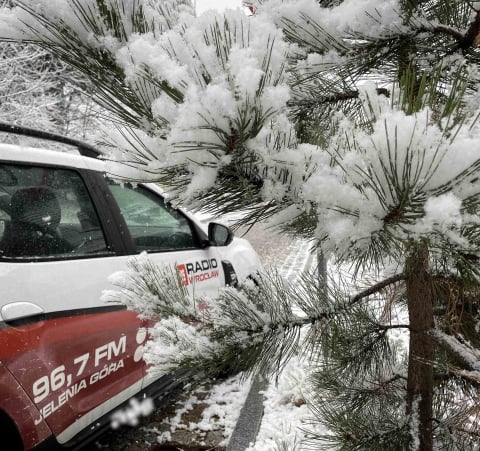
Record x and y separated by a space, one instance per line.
468 355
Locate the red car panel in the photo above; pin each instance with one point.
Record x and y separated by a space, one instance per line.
71 365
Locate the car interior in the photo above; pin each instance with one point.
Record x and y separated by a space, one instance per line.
46 213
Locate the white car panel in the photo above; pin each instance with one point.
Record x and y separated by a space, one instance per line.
75 355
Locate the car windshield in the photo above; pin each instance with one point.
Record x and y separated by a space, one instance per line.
153 224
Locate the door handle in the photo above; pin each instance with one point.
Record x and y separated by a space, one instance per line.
18 310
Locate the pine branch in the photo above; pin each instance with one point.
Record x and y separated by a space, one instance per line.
334 98
387 327
471 39
449 31
472 36
465 354
378 287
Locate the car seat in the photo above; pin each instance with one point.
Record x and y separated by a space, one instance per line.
32 231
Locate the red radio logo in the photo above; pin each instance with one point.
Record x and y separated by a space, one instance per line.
198 271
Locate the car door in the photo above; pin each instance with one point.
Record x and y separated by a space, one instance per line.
169 237
76 356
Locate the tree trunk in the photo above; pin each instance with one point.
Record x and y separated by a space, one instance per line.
421 348
322 266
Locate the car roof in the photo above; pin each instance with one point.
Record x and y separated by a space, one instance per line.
86 157
80 154
28 154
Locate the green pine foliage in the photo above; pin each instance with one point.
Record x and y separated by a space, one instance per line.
355 128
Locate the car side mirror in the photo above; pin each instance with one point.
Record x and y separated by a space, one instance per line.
219 235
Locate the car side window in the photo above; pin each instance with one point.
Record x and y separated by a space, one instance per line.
153 224
46 213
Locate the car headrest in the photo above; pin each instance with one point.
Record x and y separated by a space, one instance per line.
37 206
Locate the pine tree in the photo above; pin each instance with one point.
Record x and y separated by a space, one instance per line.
350 123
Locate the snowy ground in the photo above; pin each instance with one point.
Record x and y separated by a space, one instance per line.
285 411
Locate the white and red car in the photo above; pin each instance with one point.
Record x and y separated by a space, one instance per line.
67 358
